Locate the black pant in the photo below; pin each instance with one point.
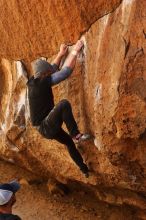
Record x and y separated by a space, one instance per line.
51 129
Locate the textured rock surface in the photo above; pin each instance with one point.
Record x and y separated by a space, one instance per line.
34 28
107 92
76 205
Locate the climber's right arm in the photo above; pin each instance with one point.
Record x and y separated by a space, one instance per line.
71 59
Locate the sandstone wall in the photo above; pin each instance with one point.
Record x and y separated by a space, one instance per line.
36 28
107 89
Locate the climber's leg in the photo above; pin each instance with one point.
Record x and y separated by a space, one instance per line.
62 112
65 139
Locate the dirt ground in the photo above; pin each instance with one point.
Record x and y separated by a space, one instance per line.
35 202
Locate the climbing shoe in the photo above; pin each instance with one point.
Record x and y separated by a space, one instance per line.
81 137
85 170
86 175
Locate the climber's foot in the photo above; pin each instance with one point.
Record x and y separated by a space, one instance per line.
81 137
86 175
85 170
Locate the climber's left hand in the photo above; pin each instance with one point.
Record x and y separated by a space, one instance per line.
63 49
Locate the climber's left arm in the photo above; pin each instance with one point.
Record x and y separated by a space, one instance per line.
61 75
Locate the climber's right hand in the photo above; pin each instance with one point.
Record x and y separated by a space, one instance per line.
78 46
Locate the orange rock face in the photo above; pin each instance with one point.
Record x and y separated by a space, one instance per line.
36 28
107 92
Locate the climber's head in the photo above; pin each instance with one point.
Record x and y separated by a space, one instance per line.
7 195
41 68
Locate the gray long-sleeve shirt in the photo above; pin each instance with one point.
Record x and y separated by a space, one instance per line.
60 75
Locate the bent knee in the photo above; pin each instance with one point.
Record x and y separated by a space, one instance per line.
65 103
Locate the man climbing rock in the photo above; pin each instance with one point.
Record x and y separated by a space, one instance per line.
7 200
47 117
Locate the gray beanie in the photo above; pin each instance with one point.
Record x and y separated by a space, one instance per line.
41 66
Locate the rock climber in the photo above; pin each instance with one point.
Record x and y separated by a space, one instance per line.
47 117
8 199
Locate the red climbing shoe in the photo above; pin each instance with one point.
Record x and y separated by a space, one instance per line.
81 137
